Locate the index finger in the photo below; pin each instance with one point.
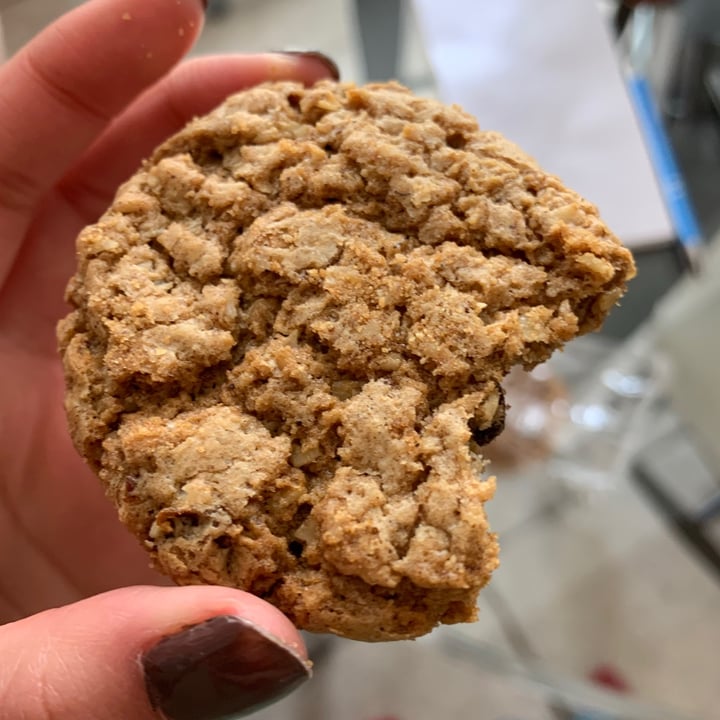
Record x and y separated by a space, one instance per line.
65 86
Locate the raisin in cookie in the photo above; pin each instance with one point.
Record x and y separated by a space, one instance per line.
288 338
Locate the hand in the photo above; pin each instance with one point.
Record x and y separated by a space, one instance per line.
80 107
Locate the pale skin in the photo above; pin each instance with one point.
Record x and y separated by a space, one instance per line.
79 108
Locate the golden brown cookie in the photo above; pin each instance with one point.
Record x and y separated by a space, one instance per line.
288 337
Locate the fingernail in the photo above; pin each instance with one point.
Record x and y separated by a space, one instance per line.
223 667
328 62
204 4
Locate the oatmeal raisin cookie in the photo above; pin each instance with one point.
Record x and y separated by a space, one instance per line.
287 343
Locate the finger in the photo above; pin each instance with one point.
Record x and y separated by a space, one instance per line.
192 89
193 652
62 89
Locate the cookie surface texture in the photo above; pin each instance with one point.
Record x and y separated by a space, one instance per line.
287 341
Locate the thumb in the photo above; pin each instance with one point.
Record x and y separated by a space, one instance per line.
190 653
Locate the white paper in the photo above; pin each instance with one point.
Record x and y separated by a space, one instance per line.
544 73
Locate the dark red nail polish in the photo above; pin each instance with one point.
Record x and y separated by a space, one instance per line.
328 62
222 667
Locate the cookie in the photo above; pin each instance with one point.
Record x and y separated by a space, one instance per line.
287 343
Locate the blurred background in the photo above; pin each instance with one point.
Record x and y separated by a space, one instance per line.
607 603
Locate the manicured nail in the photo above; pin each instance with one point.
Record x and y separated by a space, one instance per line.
328 62
204 4
223 667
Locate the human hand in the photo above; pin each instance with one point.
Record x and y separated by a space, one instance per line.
79 108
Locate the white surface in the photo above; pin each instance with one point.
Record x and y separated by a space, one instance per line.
546 76
688 331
